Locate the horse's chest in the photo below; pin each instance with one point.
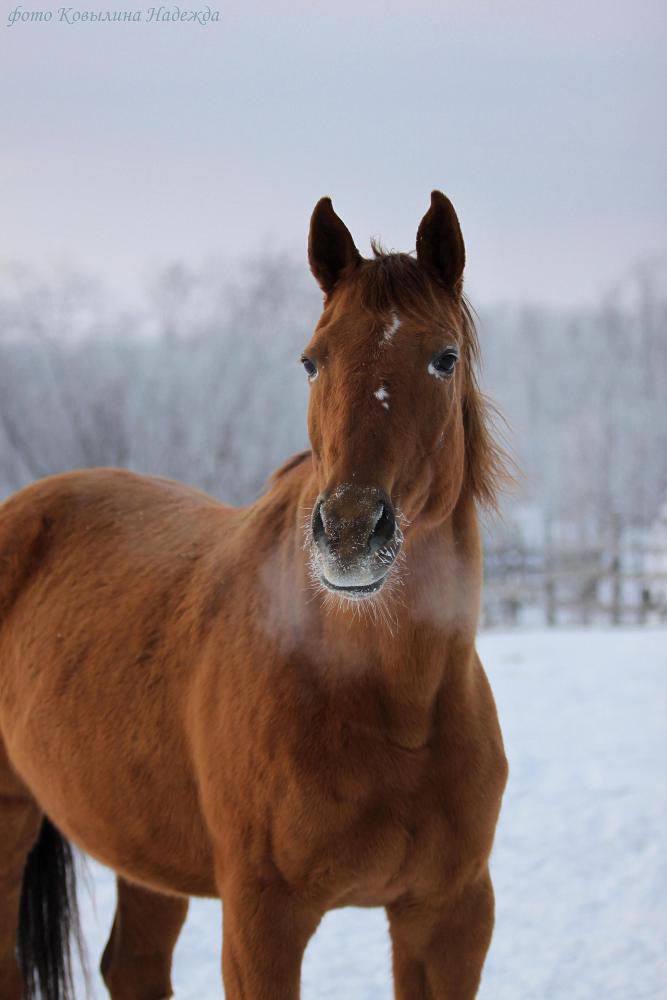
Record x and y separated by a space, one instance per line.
359 844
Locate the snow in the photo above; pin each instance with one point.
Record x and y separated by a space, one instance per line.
579 867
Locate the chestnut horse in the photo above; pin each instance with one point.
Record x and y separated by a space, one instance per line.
279 705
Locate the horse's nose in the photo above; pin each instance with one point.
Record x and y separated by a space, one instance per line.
353 521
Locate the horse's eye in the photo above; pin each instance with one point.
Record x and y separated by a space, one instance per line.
310 367
443 364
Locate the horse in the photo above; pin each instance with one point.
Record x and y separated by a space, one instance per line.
278 705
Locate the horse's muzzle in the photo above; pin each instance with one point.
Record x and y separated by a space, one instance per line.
356 539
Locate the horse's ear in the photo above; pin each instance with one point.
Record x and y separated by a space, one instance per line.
331 249
440 246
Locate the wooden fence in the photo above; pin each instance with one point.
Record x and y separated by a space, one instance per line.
620 580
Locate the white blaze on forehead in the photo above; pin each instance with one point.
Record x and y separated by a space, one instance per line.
382 395
392 328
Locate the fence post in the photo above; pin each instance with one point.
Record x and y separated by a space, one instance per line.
616 580
549 577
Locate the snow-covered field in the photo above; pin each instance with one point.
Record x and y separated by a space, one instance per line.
580 864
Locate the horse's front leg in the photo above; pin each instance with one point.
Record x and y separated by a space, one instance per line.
265 932
439 947
136 964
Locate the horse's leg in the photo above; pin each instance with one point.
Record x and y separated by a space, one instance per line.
20 821
439 949
136 964
265 933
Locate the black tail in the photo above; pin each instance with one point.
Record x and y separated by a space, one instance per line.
48 918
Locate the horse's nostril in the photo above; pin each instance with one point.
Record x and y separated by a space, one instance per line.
384 530
319 531
351 524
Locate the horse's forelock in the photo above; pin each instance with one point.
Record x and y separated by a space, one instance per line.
396 282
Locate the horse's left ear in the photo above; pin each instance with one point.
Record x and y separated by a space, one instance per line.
331 249
440 246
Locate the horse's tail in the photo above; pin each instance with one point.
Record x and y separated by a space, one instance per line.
48 918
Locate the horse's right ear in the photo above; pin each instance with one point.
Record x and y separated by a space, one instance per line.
440 246
331 249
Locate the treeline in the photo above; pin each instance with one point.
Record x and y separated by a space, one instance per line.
201 382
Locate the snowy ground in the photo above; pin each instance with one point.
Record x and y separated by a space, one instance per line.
580 864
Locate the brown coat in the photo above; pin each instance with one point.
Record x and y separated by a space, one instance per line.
186 701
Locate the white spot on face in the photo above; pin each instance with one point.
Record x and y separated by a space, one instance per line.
382 395
392 328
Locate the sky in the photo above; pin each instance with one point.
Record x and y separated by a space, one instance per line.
126 146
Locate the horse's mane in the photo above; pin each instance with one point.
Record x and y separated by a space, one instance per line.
290 464
395 281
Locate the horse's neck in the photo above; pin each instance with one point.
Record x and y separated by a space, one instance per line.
418 638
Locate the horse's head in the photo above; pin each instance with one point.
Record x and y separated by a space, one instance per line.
395 418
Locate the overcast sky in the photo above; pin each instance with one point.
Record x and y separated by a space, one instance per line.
127 145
